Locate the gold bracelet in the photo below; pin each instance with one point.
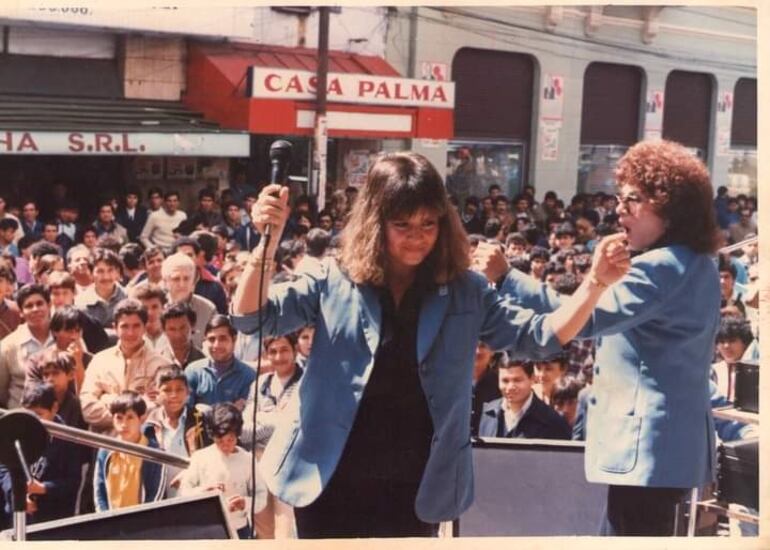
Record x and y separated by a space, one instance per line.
257 262
595 281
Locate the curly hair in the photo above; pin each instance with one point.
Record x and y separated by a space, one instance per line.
679 189
400 184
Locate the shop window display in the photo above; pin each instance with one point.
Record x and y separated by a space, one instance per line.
473 167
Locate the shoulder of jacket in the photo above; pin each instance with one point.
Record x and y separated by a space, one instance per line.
492 406
196 366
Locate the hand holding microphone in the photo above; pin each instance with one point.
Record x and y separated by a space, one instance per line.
270 212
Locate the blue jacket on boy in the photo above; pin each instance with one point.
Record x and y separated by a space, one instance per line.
153 476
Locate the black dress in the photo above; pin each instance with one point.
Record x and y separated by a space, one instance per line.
373 489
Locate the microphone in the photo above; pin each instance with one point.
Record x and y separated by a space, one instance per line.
280 157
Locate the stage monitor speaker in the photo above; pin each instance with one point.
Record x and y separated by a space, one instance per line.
738 472
531 487
199 517
747 386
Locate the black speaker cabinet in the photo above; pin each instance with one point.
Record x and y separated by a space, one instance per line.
198 517
531 487
747 386
738 473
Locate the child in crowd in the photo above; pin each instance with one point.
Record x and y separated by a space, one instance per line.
57 368
53 492
177 427
226 467
120 479
8 227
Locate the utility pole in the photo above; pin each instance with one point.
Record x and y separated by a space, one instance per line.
321 133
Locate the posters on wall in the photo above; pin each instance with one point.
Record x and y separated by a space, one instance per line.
549 139
434 71
180 168
551 116
724 123
653 119
357 166
148 168
552 98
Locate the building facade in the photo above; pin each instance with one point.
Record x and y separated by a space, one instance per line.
552 96
529 95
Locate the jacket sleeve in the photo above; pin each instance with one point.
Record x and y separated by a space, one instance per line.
266 415
95 402
521 332
260 494
69 472
635 299
147 231
529 293
191 479
100 483
628 303
289 307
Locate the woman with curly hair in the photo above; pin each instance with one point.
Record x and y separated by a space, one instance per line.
650 433
376 441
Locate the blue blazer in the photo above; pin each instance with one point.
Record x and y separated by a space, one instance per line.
649 419
539 422
310 437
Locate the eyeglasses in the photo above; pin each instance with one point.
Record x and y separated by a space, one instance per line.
629 199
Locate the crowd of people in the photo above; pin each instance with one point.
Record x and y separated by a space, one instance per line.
121 326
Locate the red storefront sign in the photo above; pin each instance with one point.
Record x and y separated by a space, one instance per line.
242 87
271 83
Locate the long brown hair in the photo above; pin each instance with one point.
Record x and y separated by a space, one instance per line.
679 189
400 184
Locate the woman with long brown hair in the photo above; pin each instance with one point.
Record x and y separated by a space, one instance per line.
376 441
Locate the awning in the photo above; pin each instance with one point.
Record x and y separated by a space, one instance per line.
40 125
271 90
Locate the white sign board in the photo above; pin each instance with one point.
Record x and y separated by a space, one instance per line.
19 142
270 83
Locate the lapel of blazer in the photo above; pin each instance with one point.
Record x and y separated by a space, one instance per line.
371 316
432 313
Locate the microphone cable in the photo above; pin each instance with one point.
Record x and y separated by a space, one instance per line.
280 156
260 317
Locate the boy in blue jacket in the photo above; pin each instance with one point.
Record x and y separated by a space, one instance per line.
121 479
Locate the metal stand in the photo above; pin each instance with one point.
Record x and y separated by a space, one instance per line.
20 526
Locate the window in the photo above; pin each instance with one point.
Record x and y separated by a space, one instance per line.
687 110
744 125
493 94
609 123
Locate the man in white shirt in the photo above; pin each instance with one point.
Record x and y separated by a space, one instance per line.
159 229
519 412
734 339
29 338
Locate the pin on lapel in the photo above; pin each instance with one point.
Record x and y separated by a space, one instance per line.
443 290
